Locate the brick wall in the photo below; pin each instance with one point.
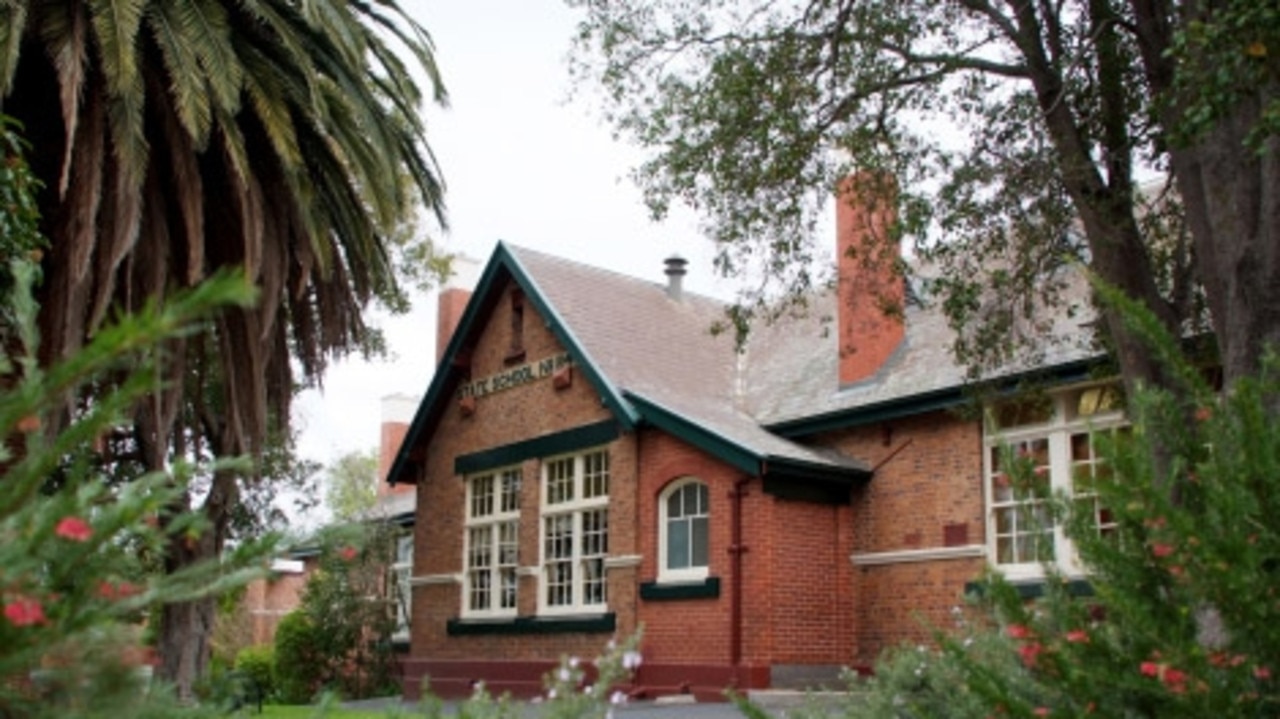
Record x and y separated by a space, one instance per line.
268 600
502 418
926 494
804 602
685 631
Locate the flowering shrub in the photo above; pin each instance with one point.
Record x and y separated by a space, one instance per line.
1184 615
339 638
76 559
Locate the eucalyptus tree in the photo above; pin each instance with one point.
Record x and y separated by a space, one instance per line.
1137 137
177 137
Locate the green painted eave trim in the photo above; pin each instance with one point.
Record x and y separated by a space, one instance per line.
544 446
708 588
922 403
502 265
786 468
778 471
531 625
610 395
723 448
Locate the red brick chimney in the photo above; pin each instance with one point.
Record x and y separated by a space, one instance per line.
397 413
452 302
870 279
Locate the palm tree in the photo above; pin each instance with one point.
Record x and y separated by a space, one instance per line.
179 137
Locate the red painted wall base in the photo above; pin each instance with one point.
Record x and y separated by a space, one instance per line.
524 679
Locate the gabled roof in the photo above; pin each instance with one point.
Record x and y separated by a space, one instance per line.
652 359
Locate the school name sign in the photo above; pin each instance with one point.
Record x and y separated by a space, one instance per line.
515 376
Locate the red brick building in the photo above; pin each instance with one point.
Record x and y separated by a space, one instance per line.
590 459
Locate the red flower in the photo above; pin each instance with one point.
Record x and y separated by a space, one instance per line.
1149 669
1041 711
1078 636
117 590
1161 550
1018 631
24 611
1203 414
1262 672
1030 653
74 528
347 553
29 424
1175 680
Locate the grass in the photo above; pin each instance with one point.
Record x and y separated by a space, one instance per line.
276 711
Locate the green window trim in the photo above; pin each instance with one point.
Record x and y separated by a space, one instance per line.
552 444
708 588
532 625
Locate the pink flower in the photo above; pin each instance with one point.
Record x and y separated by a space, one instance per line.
117 590
1161 550
1030 654
1041 711
1018 631
1078 636
347 553
73 528
24 611
1175 680
1149 669
1262 672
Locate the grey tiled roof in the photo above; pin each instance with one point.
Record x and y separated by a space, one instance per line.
661 350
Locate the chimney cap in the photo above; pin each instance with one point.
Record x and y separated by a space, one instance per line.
675 275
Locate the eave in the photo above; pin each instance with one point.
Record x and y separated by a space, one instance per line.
454 362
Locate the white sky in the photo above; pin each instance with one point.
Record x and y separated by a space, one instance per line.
523 165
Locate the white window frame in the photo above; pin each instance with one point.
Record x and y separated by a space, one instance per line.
401 570
581 513
500 511
692 573
1067 419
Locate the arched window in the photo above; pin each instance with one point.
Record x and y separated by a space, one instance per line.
683 531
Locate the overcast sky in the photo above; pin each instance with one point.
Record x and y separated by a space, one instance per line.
523 165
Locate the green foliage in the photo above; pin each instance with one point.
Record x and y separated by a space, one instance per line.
1026 139
1184 620
1225 54
351 484
299 652
258 664
19 217
339 639
74 584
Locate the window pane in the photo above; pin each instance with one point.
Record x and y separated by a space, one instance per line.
560 481
511 490
703 503
675 505
595 475
677 544
482 496
699 550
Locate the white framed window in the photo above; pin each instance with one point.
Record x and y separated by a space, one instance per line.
492 546
575 533
683 531
401 569
1055 434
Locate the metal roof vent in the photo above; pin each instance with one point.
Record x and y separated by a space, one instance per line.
675 276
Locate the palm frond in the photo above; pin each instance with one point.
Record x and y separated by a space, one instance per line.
188 82
13 23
